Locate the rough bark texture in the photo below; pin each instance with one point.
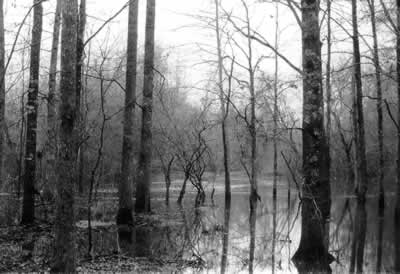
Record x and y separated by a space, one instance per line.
397 209
2 94
64 252
312 252
51 100
144 169
79 68
28 207
224 110
127 165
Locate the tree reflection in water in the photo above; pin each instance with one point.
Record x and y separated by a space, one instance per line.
229 240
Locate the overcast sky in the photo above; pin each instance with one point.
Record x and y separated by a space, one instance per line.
179 34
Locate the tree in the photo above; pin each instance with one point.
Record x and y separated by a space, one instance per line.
64 246
144 179
312 252
125 187
224 109
2 93
79 66
360 159
28 207
379 106
397 209
51 99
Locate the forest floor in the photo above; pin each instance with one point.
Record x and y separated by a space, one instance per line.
29 249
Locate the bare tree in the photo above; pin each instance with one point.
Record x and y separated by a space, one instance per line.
51 100
144 178
316 199
28 207
2 94
359 137
79 66
224 109
64 252
125 184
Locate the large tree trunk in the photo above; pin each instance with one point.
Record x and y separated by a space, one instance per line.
51 101
127 165
144 169
79 67
312 252
224 110
28 208
64 252
361 186
2 94
397 209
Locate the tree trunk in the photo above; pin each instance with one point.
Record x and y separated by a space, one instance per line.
2 94
127 164
183 190
51 101
312 252
275 140
361 188
224 110
397 209
379 106
328 105
225 237
64 252
79 117
381 205
28 208
360 157
144 169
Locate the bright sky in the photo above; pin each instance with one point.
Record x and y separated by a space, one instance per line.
179 34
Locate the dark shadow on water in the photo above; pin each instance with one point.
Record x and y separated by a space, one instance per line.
359 235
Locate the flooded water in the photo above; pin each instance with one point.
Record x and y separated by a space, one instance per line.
210 239
213 239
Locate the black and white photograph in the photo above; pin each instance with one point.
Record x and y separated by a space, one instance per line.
200 136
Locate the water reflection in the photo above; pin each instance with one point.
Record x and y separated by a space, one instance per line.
225 238
230 238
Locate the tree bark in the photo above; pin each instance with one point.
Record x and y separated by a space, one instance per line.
2 94
361 187
64 252
312 252
79 68
28 207
144 179
224 110
51 101
397 209
127 164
